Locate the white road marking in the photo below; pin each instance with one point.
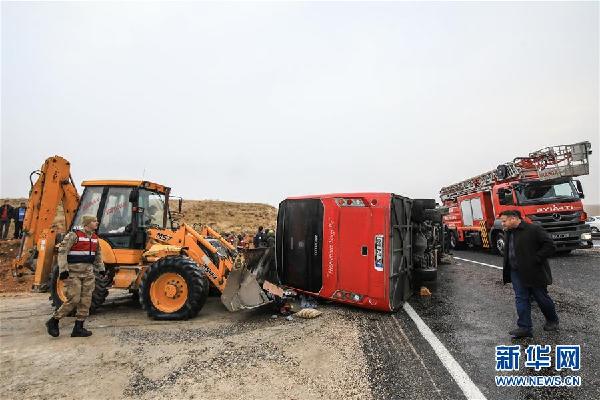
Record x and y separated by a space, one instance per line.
477 262
470 390
412 348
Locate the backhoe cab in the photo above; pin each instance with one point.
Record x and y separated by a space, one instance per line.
170 267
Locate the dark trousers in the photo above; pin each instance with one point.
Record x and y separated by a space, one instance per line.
523 296
4 225
18 227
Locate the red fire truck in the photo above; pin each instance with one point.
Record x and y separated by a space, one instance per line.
540 186
365 249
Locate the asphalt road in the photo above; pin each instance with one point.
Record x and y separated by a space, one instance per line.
470 312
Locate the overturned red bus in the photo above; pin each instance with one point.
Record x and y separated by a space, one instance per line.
364 249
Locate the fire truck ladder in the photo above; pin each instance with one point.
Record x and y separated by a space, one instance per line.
558 161
553 162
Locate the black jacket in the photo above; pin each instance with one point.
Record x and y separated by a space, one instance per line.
533 246
258 238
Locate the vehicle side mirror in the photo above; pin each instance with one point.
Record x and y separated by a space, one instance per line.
505 197
179 203
579 189
133 195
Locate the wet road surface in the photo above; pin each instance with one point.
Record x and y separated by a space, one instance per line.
470 312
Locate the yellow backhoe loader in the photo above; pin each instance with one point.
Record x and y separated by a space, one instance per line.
169 267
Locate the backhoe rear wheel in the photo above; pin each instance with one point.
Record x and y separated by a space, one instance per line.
173 288
58 297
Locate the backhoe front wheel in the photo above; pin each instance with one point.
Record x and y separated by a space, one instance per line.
173 288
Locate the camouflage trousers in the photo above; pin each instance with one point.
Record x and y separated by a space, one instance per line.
78 290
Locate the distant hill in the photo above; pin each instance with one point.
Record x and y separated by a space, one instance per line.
226 216
223 216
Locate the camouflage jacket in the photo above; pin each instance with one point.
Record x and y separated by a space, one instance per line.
63 250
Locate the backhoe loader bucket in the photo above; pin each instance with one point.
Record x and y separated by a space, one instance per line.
243 288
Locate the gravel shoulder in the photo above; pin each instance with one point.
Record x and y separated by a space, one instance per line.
216 355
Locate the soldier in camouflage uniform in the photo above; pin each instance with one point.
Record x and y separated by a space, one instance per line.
78 257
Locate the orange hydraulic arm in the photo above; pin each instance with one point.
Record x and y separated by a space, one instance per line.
230 273
53 187
191 241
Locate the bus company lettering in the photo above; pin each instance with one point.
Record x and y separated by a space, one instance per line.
330 244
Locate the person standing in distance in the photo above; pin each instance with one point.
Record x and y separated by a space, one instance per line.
6 214
19 217
259 237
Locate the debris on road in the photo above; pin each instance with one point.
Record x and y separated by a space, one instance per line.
447 259
273 289
308 313
424 291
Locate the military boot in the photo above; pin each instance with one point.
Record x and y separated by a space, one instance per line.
80 331
52 325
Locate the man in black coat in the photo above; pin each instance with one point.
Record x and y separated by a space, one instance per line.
528 247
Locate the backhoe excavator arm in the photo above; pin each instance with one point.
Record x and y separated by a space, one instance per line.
53 187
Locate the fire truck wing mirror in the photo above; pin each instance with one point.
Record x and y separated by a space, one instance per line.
179 203
579 189
505 197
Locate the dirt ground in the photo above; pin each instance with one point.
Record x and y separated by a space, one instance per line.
217 355
8 252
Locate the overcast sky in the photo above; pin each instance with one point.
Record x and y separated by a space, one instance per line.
259 101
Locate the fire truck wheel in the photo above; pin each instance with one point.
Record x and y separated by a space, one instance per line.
499 243
173 288
57 295
454 242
